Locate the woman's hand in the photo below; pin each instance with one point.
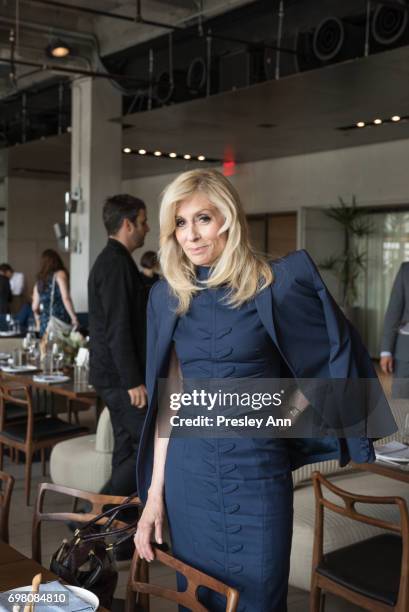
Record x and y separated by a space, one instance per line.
151 522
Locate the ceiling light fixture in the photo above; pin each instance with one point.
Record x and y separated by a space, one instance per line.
360 124
201 158
127 150
395 118
187 156
157 153
58 49
173 155
142 151
377 121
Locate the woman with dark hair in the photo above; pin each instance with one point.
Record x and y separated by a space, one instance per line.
149 268
51 295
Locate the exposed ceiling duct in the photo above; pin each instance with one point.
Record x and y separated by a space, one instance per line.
194 49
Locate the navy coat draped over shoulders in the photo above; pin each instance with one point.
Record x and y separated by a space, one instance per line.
313 336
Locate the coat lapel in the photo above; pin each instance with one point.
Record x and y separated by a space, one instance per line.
264 305
166 328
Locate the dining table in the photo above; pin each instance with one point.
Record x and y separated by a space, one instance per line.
72 390
17 570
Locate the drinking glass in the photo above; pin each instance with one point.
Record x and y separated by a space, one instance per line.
48 362
59 360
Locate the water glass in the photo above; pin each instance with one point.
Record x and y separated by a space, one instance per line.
34 354
59 360
81 375
48 363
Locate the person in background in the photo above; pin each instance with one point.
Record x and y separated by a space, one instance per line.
5 293
394 358
150 267
117 322
16 279
52 272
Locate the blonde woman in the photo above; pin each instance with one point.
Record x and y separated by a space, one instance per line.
223 312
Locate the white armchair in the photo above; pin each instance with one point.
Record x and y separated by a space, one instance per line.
85 462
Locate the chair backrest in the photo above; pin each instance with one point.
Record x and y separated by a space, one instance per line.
347 509
7 484
19 395
97 501
138 583
104 438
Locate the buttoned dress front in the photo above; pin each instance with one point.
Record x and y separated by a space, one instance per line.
230 500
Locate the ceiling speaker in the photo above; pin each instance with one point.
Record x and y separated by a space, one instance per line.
389 27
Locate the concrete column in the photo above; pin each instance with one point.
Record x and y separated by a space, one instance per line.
96 173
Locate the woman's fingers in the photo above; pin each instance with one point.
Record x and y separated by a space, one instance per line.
142 542
158 531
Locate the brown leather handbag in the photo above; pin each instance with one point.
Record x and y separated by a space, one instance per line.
87 560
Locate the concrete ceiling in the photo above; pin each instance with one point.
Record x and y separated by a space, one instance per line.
34 21
305 111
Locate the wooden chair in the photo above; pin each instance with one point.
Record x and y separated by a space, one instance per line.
7 484
139 588
97 501
32 433
372 573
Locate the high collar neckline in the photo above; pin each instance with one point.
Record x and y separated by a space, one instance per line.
203 272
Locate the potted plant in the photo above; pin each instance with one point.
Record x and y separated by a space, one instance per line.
351 262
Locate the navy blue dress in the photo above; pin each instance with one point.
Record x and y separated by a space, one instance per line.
230 501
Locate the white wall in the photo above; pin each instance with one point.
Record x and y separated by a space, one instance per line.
376 174
34 206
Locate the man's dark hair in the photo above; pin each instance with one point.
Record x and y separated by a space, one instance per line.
5 267
117 208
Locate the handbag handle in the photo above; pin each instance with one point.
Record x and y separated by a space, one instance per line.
112 513
52 297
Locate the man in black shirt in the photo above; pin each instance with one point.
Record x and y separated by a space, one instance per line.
117 319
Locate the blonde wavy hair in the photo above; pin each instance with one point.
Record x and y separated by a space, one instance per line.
239 266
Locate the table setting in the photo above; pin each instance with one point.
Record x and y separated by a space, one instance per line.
48 597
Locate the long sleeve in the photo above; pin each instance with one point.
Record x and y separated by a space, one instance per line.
116 301
393 315
151 341
320 343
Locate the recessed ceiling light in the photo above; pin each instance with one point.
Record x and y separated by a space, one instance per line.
173 154
201 158
142 151
378 121
360 124
395 118
157 153
187 156
127 150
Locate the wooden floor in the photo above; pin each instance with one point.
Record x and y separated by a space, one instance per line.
20 538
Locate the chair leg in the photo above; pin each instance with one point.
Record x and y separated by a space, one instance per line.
1 455
43 462
27 485
315 599
323 600
69 410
